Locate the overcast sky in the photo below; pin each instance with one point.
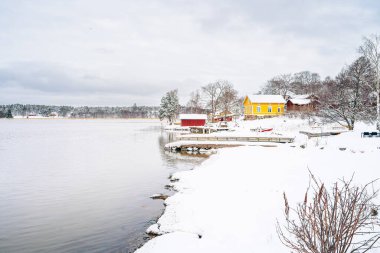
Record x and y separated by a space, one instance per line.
119 52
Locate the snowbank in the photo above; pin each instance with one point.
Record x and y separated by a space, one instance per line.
231 202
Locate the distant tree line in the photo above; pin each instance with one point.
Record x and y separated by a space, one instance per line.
79 112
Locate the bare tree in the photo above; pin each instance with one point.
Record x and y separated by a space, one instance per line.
371 50
278 85
347 98
212 93
195 102
306 82
228 99
343 219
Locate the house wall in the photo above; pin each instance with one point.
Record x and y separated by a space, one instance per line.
300 108
193 122
227 118
251 109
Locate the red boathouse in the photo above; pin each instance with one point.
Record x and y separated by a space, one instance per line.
193 119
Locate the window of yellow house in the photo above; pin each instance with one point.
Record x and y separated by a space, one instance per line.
279 109
258 109
269 108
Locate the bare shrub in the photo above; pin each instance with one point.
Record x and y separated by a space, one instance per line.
342 219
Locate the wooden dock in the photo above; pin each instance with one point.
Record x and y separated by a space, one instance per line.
206 130
320 134
178 146
277 139
203 146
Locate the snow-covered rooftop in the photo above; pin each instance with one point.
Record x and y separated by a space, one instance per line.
302 96
300 101
192 116
267 99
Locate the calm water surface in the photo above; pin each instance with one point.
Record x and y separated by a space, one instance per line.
81 185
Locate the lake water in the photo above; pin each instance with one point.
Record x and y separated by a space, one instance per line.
81 185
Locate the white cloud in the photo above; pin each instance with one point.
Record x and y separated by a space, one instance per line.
110 52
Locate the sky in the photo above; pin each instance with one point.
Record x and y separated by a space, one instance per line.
121 52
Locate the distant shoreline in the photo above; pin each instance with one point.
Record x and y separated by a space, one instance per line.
58 118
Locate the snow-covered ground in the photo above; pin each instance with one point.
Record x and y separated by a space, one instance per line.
37 117
231 202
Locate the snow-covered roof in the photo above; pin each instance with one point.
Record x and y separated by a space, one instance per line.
192 116
300 101
267 99
302 96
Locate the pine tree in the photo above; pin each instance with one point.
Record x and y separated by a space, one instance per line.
169 106
9 114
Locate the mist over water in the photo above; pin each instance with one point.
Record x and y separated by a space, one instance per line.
81 185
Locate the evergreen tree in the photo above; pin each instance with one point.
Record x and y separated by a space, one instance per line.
169 106
9 114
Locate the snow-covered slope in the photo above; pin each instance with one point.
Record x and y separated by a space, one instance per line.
231 202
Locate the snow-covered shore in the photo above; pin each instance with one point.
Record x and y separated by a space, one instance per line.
231 202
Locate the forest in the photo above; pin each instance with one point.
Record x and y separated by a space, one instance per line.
79 112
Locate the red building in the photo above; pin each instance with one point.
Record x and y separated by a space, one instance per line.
193 119
223 116
302 103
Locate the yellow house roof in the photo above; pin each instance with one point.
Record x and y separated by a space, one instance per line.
278 99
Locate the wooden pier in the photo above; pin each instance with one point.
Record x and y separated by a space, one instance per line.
206 130
203 146
277 139
179 146
320 134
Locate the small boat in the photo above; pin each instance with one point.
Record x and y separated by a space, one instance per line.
266 130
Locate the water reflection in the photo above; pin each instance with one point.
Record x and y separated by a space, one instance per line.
173 159
82 185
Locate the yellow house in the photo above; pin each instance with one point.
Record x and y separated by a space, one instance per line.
263 106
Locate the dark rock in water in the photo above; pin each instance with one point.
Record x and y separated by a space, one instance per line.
342 149
172 179
303 146
159 196
169 187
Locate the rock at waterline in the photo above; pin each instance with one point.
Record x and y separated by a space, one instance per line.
153 230
159 196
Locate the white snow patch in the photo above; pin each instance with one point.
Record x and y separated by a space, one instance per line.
230 203
154 230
